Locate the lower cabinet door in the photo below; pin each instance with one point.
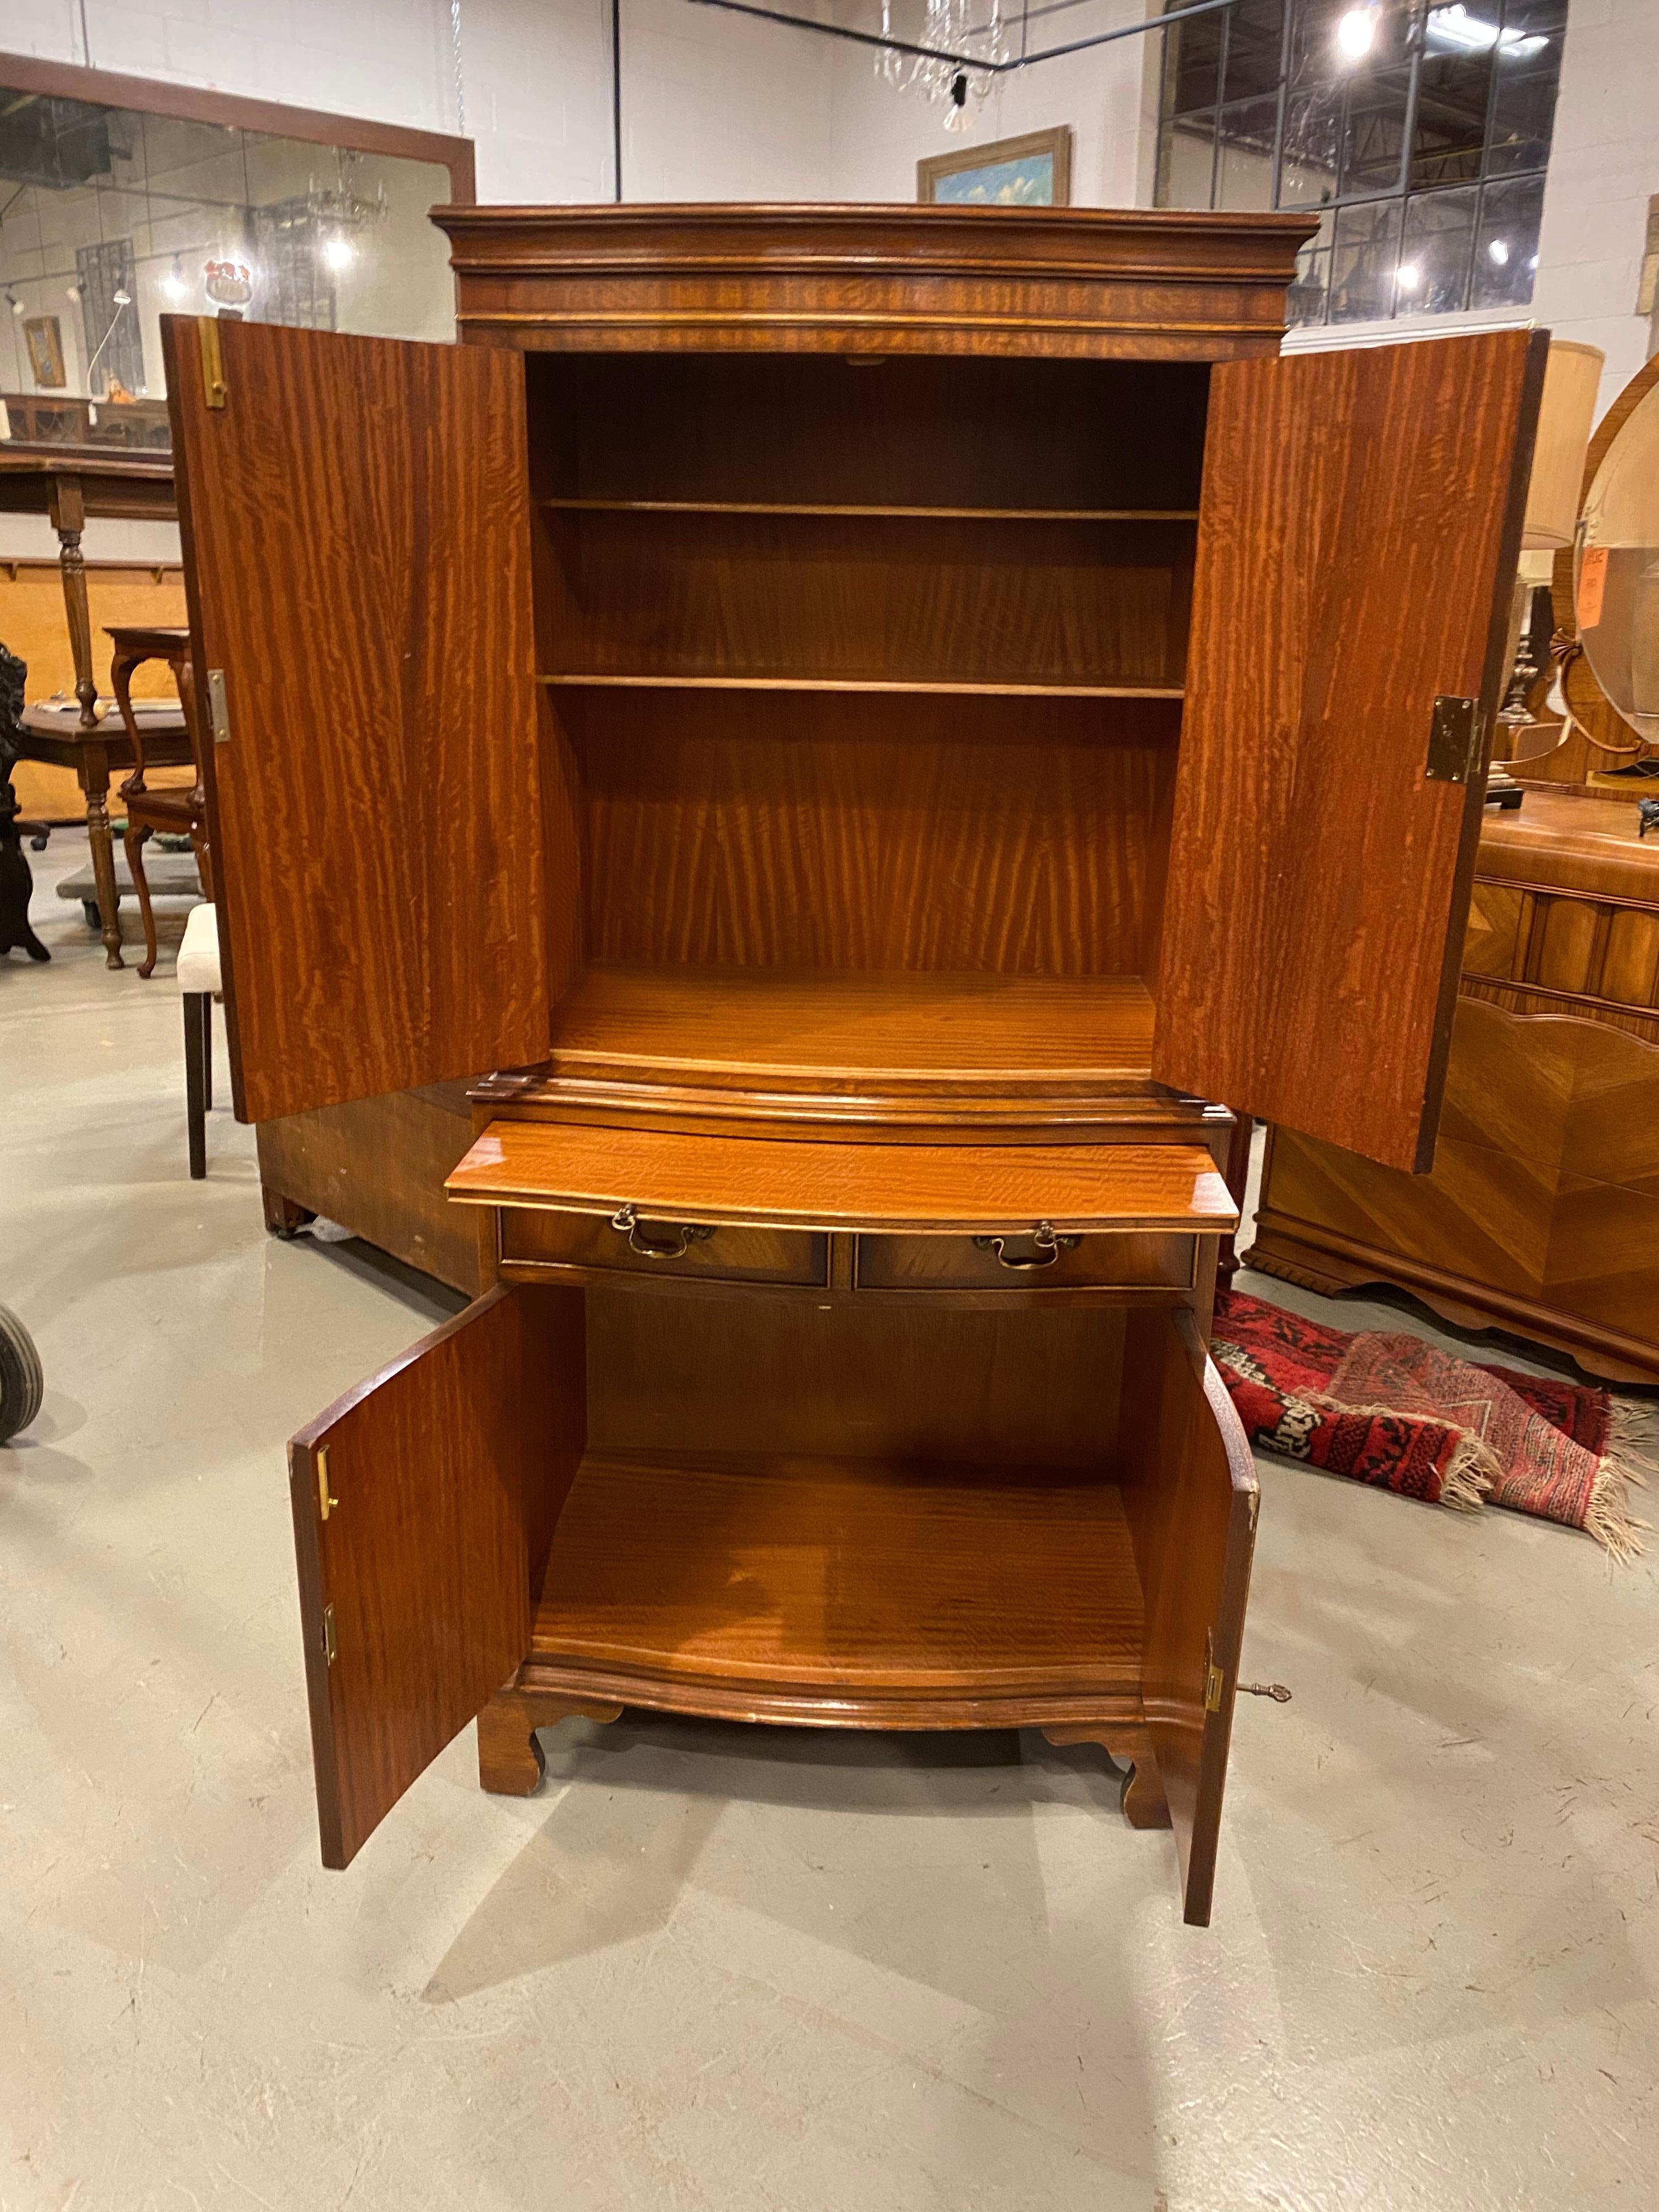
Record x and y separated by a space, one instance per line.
423 1506
1190 1497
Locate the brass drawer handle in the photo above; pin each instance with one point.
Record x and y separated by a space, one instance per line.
626 1223
1048 1249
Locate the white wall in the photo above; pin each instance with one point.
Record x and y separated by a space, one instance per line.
718 106
1604 166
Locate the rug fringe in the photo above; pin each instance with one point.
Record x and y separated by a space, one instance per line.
1631 1456
1471 1470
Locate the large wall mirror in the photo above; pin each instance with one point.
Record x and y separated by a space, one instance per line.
121 200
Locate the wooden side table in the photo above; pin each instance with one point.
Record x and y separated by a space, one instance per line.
70 485
1541 1215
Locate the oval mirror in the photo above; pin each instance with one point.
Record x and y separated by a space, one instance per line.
1616 571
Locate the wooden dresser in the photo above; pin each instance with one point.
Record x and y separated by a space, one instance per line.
1542 1216
886 711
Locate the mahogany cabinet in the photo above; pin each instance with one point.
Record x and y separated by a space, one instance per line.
900 718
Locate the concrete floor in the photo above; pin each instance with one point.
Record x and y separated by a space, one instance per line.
712 1967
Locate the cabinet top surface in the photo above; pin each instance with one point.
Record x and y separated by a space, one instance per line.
1589 844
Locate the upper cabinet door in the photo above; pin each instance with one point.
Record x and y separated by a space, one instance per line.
355 521
1358 539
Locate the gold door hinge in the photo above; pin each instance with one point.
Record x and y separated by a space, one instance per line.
213 363
1456 735
1213 1677
218 712
326 1501
328 1634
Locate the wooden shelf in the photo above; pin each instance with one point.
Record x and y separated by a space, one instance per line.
840 1024
864 1575
873 513
580 683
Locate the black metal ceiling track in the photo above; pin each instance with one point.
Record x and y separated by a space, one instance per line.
1020 61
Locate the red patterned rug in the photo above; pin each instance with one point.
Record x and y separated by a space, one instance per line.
1393 1411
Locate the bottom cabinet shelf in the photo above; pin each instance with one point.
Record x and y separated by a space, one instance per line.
876 1591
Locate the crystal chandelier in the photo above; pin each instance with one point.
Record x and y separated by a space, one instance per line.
970 29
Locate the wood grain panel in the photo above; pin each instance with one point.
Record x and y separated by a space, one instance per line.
1630 962
443 1474
757 1181
376 811
1493 941
377 1165
819 279
872 833
841 1026
1318 883
730 1255
849 596
1603 1263
691 1375
885 432
1541 1215
1190 1497
1488 1217
1562 956
867 1574
957 1263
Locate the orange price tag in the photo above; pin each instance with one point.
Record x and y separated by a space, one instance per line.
1592 585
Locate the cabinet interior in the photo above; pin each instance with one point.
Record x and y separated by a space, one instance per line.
827 1496
861 696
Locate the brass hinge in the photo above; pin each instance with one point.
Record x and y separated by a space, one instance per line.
213 364
325 1502
328 1634
1212 1677
218 712
1457 733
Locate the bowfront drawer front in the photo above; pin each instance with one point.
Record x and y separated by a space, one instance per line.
640 1244
1038 1259
979 1221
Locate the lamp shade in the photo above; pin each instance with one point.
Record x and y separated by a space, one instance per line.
1572 379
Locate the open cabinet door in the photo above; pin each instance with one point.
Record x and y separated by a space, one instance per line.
1190 1497
1359 532
423 1505
356 524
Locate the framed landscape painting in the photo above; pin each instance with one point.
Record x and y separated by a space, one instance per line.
1034 171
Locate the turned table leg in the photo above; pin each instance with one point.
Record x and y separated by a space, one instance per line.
510 1762
1145 1805
95 781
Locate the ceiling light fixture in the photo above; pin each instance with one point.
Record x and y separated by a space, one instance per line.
1408 277
173 282
1499 251
339 252
14 302
1455 27
1355 33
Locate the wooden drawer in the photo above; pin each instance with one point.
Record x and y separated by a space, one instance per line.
535 1237
1127 1262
